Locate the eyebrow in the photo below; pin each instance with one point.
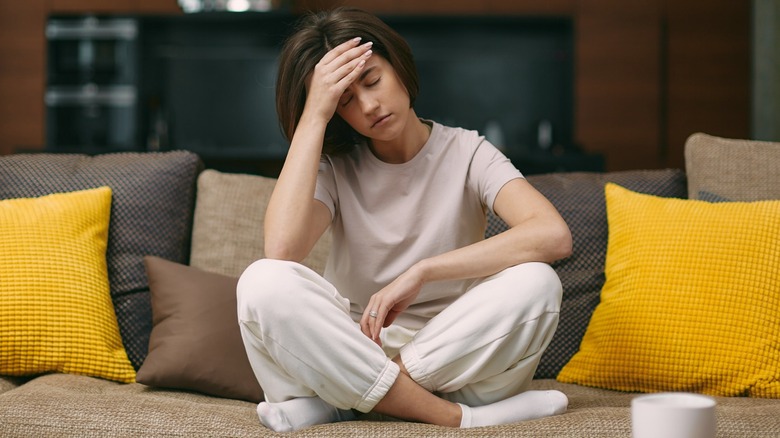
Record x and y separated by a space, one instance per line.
366 72
362 76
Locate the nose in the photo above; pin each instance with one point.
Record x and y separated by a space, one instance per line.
368 102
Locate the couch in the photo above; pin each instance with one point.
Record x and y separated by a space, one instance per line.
179 235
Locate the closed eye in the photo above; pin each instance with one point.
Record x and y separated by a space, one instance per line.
345 99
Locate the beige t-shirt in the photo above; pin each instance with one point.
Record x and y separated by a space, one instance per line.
386 217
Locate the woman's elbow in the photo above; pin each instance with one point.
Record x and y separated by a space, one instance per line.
280 250
560 242
564 242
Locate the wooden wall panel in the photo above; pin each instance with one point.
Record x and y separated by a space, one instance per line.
549 7
22 75
648 73
93 6
158 7
537 7
617 82
399 6
708 72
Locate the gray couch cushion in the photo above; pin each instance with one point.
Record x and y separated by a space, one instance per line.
579 197
151 214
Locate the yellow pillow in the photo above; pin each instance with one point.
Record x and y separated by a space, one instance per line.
691 300
56 313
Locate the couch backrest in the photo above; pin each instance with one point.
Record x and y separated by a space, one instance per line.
228 224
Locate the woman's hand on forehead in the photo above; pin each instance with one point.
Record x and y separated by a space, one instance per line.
336 71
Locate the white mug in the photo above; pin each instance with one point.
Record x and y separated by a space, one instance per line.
673 415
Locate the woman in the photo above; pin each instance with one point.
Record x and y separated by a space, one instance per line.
417 316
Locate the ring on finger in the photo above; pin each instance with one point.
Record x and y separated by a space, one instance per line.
372 314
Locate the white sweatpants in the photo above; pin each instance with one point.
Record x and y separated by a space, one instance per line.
484 347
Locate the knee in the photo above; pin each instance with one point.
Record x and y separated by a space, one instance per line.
266 286
534 284
546 281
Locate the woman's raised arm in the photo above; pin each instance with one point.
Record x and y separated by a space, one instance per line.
294 219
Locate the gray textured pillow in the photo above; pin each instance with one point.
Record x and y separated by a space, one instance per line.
227 234
579 198
738 170
151 214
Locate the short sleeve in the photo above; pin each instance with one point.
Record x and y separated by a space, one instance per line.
489 171
325 190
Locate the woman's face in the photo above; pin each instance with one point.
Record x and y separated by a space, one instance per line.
376 105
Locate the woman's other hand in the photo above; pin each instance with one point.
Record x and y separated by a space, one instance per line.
385 305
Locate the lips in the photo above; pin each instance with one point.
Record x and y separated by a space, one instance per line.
379 120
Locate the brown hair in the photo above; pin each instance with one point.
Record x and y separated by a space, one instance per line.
315 35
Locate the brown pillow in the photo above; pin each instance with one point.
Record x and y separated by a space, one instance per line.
195 342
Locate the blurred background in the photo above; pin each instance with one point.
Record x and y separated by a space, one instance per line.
559 85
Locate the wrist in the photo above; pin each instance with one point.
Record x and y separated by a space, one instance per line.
313 117
421 271
309 132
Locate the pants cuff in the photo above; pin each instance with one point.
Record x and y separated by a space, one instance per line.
378 391
414 366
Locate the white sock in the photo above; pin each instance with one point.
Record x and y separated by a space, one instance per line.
298 413
521 407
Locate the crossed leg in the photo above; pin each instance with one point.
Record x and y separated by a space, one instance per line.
403 397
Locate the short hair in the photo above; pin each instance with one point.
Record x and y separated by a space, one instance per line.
314 36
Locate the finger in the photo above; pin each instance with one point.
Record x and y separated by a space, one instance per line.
349 61
340 49
376 324
340 78
350 55
348 73
372 323
366 319
370 316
